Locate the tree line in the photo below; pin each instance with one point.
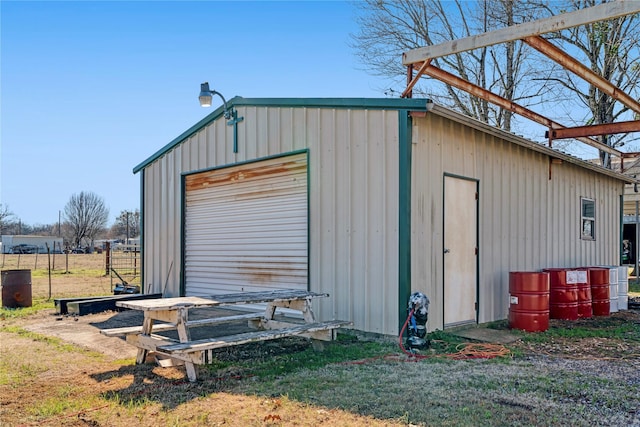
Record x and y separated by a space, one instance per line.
85 220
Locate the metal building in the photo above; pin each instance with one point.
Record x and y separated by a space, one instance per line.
368 200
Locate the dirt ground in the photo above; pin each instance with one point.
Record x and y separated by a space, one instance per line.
156 395
113 374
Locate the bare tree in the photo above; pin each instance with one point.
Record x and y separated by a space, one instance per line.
86 215
390 27
5 214
611 49
127 224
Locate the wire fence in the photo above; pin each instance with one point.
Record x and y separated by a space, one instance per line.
123 265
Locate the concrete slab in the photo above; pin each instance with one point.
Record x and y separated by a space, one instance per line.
495 336
85 330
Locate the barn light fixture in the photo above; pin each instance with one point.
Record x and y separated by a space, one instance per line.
206 95
230 114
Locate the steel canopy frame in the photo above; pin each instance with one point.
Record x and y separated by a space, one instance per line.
529 33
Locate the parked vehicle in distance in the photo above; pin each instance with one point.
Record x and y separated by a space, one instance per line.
23 248
77 250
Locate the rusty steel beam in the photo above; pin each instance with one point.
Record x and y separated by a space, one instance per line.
408 92
480 92
412 82
592 130
580 70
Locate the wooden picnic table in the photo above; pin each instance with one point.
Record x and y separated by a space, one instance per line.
174 313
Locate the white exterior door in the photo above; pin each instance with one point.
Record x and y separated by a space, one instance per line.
246 227
460 251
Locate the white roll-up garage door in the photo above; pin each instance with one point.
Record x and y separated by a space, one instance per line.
246 227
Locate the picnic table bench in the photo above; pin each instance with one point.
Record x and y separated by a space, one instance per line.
174 312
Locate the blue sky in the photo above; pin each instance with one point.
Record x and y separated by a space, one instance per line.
91 89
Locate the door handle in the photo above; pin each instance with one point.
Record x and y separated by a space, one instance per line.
446 251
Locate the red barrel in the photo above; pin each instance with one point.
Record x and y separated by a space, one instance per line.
529 301
585 307
599 281
563 294
16 288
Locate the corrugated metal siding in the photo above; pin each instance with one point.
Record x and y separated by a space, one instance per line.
353 202
527 221
246 228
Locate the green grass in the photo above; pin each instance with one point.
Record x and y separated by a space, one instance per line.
601 329
345 348
20 312
57 343
43 272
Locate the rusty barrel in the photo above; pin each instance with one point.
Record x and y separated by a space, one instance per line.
16 288
529 301
563 294
599 281
585 307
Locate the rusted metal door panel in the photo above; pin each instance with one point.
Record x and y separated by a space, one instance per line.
246 227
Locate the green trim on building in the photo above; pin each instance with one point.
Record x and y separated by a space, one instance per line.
143 288
621 225
183 204
183 243
404 215
309 287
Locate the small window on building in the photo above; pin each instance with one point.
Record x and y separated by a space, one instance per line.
588 219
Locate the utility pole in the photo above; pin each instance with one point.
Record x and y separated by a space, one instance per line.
127 212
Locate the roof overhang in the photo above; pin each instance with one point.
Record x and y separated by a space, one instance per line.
523 142
416 107
337 103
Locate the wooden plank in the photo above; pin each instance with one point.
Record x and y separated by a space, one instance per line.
225 319
244 338
324 335
161 304
268 296
216 300
117 332
161 327
61 303
563 21
100 304
150 343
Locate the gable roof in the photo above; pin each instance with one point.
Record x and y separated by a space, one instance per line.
424 106
346 103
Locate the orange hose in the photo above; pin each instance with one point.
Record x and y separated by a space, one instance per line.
464 350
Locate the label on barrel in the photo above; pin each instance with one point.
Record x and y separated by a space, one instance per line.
513 300
572 277
582 276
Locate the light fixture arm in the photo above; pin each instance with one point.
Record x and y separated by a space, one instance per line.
227 113
205 99
230 114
